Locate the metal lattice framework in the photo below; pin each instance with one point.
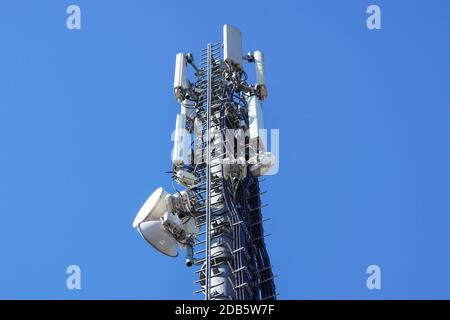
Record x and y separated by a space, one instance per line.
236 264
218 218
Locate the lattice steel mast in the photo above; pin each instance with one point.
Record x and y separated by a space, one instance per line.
219 153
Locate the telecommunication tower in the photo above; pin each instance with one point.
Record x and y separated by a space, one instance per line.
218 156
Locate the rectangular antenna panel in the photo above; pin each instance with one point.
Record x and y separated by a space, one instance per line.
256 123
180 80
180 152
232 45
259 63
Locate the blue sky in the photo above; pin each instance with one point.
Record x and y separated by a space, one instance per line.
85 123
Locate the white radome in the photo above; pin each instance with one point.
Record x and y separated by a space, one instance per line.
158 237
153 208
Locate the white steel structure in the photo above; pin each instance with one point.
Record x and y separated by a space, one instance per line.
219 153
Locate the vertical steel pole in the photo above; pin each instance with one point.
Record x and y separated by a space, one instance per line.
208 178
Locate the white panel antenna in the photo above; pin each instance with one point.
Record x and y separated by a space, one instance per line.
260 75
180 82
180 151
256 124
232 45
